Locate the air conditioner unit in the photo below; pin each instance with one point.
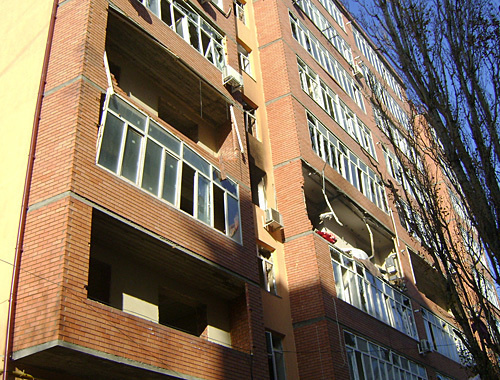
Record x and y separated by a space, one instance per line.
273 219
358 71
424 346
232 77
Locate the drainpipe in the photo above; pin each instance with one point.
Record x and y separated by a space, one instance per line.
24 206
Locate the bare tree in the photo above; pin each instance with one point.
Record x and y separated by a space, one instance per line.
448 54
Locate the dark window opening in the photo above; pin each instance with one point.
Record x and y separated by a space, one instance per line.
182 313
99 284
187 189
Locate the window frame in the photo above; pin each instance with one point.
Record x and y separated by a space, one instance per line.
369 360
267 272
214 51
371 294
337 155
276 356
184 158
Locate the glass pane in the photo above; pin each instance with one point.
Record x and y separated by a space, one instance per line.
204 206
111 143
152 166
130 164
129 113
194 36
170 178
349 339
195 160
225 183
233 219
280 365
366 364
362 344
164 138
360 368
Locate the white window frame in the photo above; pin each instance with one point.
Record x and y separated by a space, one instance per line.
149 131
368 360
333 11
336 154
267 270
309 42
276 356
361 289
251 124
330 102
442 336
245 60
182 15
239 10
327 29
376 62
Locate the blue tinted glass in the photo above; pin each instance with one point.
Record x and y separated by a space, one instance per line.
129 113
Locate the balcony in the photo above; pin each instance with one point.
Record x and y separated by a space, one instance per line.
160 81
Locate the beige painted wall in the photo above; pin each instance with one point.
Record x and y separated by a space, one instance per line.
24 29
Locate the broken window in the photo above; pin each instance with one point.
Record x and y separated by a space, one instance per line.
250 114
266 270
194 29
245 63
442 336
239 10
356 285
137 148
338 156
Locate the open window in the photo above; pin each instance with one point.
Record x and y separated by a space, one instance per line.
266 270
245 61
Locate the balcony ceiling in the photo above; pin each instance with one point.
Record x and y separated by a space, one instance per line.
183 90
178 265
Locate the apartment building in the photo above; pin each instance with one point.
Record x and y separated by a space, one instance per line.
204 198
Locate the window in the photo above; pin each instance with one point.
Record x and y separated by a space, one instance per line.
99 283
250 115
193 28
327 29
239 10
331 150
245 63
374 59
333 106
443 377
369 361
309 42
393 166
383 95
486 287
266 270
275 356
135 147
360 288
442 336
333 11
